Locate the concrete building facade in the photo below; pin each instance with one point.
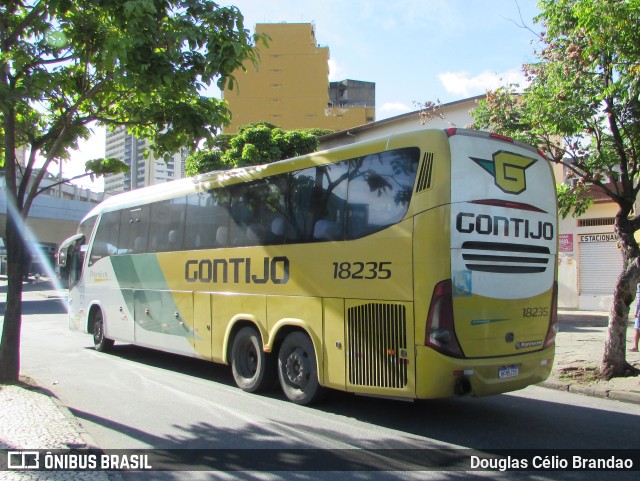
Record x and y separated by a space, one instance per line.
352 93
54 216
290 86
146 169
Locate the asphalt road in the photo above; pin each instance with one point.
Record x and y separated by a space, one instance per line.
135 398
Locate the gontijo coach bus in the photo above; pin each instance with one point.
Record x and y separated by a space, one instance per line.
417 265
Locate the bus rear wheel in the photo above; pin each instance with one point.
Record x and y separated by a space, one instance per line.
253 369
298 371
101 343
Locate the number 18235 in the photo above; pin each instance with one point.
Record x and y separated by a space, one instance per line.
362 270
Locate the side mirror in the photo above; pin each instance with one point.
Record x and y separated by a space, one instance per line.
65 247
66 251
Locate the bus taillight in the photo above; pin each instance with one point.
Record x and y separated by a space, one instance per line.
553 319
440 333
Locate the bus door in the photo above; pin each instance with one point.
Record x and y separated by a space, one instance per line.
104 283
70 261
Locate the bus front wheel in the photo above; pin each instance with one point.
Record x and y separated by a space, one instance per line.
253 369
298 371
101 343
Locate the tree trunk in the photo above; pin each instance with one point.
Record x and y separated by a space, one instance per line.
10 344
614 363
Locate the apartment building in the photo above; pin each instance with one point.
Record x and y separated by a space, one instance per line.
146 169
290 87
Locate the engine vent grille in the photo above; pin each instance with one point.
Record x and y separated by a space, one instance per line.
377 343
505 258
426 169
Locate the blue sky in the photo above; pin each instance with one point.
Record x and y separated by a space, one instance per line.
414 50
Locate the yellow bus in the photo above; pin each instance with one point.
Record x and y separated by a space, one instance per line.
418 265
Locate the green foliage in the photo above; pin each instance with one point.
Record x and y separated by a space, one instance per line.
139 63
205 161
254 144
572 200
319 132
100 167
143 64
582 105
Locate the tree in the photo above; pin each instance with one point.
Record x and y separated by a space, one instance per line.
582 108
254 144
139 63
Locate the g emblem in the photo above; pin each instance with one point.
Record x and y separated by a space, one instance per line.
507 169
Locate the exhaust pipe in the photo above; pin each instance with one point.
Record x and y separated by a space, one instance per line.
463 386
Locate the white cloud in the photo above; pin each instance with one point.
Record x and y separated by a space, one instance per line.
463 84
336 72
389 109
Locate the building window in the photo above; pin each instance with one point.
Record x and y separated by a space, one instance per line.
596 222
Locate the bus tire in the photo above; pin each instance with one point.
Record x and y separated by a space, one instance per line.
253 369
101 343
298 370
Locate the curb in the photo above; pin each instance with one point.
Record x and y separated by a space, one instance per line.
29 384
593 391
88 442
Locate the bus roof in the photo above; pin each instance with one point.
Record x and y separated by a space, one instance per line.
219 178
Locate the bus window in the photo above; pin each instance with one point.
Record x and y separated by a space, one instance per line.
241 216
207 220
86 227
106 241
258 212
166 231
134 231
273 209
300 223
380 189
319 197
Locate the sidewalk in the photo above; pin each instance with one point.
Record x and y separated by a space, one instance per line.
579 350
33 418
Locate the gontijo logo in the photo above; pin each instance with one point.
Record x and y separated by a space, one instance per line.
507 169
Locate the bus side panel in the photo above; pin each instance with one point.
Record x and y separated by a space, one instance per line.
431 261
305 312
379 265
334 343
229 309
202 325
117 308
164 320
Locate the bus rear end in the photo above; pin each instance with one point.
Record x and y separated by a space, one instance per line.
491 323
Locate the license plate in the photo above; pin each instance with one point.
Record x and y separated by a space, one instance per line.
508 371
